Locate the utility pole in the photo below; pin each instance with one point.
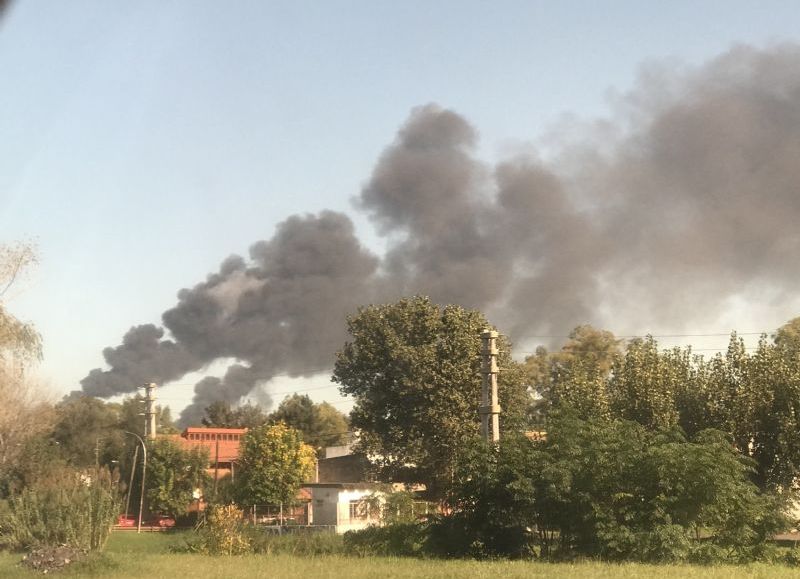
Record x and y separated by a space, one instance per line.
144 475
150 411
490 406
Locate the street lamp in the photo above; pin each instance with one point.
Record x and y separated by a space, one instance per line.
144 473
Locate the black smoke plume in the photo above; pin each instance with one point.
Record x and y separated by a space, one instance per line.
687 198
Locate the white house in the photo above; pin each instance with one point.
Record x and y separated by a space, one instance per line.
338 504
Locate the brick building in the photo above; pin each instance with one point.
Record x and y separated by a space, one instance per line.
222 445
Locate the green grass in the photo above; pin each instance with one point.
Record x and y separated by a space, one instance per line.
147 555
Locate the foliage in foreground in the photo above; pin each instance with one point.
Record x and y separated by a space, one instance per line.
131 555
613 490
222 532
69 508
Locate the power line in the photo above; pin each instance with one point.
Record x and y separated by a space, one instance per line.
632 336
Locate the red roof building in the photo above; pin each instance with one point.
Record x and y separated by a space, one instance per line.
222 443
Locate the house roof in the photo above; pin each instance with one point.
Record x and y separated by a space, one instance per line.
210 430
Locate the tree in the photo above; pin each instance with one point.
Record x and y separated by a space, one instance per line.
173 474
131 416
219 414
320 424
273 464
87 431
19 341
577 374
25 411
414 370
611 489
646 383
25 414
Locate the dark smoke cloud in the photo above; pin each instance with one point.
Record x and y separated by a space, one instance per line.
687 198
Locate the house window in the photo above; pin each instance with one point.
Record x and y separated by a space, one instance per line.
358 511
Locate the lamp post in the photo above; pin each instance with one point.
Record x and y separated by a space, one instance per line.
144 473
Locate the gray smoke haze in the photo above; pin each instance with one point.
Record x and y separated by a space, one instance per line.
687 198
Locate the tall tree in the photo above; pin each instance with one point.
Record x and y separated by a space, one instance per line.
320 424
414 370
577 374
87 431
646 383
19 341
273 464
173 474
220 414
131 416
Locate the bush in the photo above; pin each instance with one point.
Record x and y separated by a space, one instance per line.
222 532
398 540
68 508
462 535
611 490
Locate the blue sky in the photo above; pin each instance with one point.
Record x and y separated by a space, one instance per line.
143 142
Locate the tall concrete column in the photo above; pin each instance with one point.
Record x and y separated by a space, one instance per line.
150 411
490 406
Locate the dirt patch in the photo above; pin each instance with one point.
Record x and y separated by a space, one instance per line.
50 559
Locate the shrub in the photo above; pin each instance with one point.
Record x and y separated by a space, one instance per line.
68 508
398 540
612 490
222 532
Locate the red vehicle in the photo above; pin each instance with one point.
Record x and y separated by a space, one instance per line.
123 521
162 521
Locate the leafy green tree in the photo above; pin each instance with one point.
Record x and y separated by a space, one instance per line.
788 336
576 375
772 399
220 414
87 431
414 370
173 474
131 416
320 424
646 383
610 489
273 464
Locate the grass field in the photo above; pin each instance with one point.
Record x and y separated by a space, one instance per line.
147 555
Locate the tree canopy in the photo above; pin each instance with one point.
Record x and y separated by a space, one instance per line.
19 341
754 396
414 371
221 414
611 489
173 474
273 464
320 424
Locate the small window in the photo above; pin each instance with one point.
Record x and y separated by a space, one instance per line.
358 511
